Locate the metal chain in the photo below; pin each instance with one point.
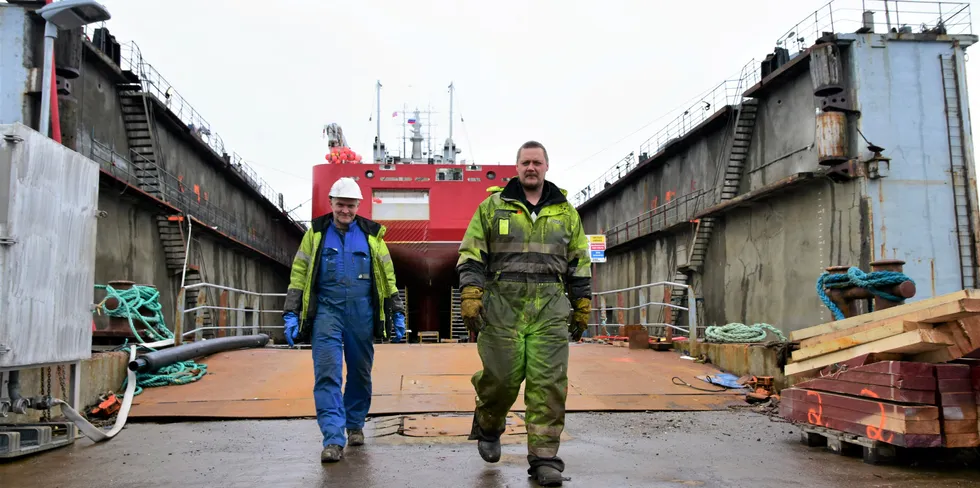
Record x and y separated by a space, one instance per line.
47 412
41 391
61 379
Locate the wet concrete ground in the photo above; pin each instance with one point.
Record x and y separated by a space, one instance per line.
662 449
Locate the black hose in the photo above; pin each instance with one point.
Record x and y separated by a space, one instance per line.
158 359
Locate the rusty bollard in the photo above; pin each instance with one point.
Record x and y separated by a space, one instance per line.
838 295
903 290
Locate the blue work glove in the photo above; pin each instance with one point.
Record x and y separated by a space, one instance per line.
399 326
292 328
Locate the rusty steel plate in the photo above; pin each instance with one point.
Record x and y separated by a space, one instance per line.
438 426
407 379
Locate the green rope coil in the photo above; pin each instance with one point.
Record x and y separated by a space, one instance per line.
175 374
874 282
738 332
148 298
130 302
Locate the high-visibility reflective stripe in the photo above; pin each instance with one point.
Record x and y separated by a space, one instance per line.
527 262
536 247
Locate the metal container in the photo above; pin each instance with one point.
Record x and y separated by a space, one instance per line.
825 70
48 209
831 137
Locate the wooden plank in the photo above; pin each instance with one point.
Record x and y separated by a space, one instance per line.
865 406
826 415
952 371
968 426
905 368
916 341
932 310
899 381
962 412
821 345
884 328
961 385
961 440
802 414
870 391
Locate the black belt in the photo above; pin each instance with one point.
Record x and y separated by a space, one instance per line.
532 277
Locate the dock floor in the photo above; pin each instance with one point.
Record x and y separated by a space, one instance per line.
419 378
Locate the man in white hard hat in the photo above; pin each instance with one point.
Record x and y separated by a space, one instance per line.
341 286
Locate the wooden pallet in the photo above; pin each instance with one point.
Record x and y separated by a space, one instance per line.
873 452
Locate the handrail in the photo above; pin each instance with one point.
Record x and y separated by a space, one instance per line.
175 194
248 302
154 83
691 308
834 16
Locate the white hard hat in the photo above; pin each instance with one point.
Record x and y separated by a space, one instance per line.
346 188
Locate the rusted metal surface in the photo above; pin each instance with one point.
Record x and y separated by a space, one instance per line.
831 138
825 70
453 425
278 383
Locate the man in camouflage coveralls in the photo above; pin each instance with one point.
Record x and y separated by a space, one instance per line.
523 251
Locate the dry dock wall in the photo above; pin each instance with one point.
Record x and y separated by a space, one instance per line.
241 239
791 218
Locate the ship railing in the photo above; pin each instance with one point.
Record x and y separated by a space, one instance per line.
249 306
666 215
172 190
905 16
704 106
154 83
601 326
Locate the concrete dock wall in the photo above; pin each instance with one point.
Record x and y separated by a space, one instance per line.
791 216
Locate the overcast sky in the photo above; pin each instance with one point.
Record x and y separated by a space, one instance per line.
591 80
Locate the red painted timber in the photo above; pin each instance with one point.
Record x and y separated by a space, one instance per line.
870 391
803 415
864 406
923 383
952 371
905 368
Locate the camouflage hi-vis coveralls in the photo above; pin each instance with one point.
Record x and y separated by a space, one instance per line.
523 265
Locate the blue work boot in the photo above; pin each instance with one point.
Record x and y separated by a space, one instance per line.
331 454
355 437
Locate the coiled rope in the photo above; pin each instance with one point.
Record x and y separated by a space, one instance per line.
148 298
874 282
738 332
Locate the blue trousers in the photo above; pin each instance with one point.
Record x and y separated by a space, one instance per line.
342 331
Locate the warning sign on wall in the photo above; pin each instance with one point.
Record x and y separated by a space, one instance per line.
597 248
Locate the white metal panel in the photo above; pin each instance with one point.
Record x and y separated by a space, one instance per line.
400 205
48 206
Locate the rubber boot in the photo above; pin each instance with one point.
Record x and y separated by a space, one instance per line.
355 437
547 476
331 454
489 448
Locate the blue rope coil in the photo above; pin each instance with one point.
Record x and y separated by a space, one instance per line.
874 282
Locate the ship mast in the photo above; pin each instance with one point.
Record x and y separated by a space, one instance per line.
449 150
379 147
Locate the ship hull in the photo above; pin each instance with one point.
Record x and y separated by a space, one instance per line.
425 218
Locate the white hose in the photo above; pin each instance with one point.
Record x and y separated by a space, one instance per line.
93 432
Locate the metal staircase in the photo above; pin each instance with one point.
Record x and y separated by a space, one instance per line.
458 329
138 122
734 169
958 169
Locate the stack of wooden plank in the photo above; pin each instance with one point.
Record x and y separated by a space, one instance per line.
934 330
901 403
901 376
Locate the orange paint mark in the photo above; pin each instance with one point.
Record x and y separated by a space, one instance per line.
653 203
197 191
670 196
815 417
873 432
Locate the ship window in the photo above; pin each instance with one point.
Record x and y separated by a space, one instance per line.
369 174
449 174
400 205
491 175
